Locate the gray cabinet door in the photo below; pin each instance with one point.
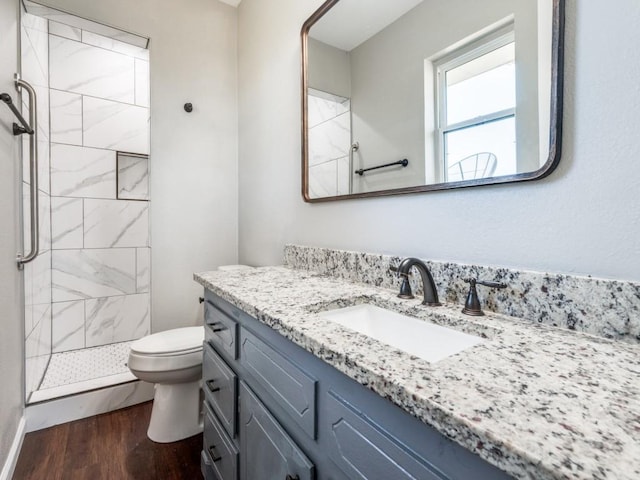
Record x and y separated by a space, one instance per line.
266 451
364 450
292 388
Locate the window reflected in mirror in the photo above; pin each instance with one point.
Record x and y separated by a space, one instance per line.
476 113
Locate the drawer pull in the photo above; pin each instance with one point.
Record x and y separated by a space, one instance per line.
210 386
218 329
289 477
214 455
200 299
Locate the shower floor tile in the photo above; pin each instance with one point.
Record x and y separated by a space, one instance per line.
88 364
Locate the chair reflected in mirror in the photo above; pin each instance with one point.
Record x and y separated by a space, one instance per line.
478 165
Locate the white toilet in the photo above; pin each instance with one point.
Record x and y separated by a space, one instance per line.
173 361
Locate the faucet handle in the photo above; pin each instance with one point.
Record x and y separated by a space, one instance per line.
472 304
405 286
487 283
397 271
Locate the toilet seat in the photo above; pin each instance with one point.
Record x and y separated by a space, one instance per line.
172 350
178 341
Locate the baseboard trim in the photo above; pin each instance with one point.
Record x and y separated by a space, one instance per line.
14 451
75 407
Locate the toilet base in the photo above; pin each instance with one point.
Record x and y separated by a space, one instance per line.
176 412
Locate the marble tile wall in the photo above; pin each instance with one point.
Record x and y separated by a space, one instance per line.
91 286
77 24
37 274
606 308
329 142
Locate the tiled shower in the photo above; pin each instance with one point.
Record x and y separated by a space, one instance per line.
329 144
87 292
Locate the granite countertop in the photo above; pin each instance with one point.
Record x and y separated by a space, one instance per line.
536 401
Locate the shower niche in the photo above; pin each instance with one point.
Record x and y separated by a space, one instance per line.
132 182
87 293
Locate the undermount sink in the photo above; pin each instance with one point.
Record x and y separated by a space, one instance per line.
416 337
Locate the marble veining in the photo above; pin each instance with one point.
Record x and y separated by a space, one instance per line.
34 54
330 140
115 126
116 319
66 31
143 270
93 273
85 69
115 223
66 117
608 308
82 172
539 402
67 326
66 223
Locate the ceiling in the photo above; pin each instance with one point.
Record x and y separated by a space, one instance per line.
348 24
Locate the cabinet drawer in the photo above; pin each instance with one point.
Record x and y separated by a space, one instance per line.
205 467
290 387
222 331
364 450
220 452
267 452
220 388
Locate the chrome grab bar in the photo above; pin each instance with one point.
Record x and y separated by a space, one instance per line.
354 148
33 173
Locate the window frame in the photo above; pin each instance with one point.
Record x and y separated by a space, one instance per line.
470 51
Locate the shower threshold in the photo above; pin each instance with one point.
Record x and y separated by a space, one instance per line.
83 370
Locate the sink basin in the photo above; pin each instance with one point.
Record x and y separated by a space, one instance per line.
416 337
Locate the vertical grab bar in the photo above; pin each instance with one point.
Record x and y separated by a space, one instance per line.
33 174
352 149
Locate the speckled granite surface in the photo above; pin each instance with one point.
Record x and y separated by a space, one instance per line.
536 401
606 308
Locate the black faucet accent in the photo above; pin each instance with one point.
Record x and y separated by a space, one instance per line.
472 304
428 285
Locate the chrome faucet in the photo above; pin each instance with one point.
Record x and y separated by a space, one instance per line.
428 285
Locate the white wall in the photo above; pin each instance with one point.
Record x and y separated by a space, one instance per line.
194 156
11 326
329 69
584 218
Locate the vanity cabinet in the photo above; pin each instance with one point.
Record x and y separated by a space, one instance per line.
266 449
274 411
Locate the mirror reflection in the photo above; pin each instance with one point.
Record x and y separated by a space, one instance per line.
410 94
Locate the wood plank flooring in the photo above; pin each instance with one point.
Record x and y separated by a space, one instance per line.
111 446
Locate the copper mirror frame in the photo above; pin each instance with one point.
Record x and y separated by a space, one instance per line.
555 124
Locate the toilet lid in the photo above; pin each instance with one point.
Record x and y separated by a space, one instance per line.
177 340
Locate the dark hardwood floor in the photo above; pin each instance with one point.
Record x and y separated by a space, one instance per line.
111 446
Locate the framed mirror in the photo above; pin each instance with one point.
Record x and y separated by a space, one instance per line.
410 96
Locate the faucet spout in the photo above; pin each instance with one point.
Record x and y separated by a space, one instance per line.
428 285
